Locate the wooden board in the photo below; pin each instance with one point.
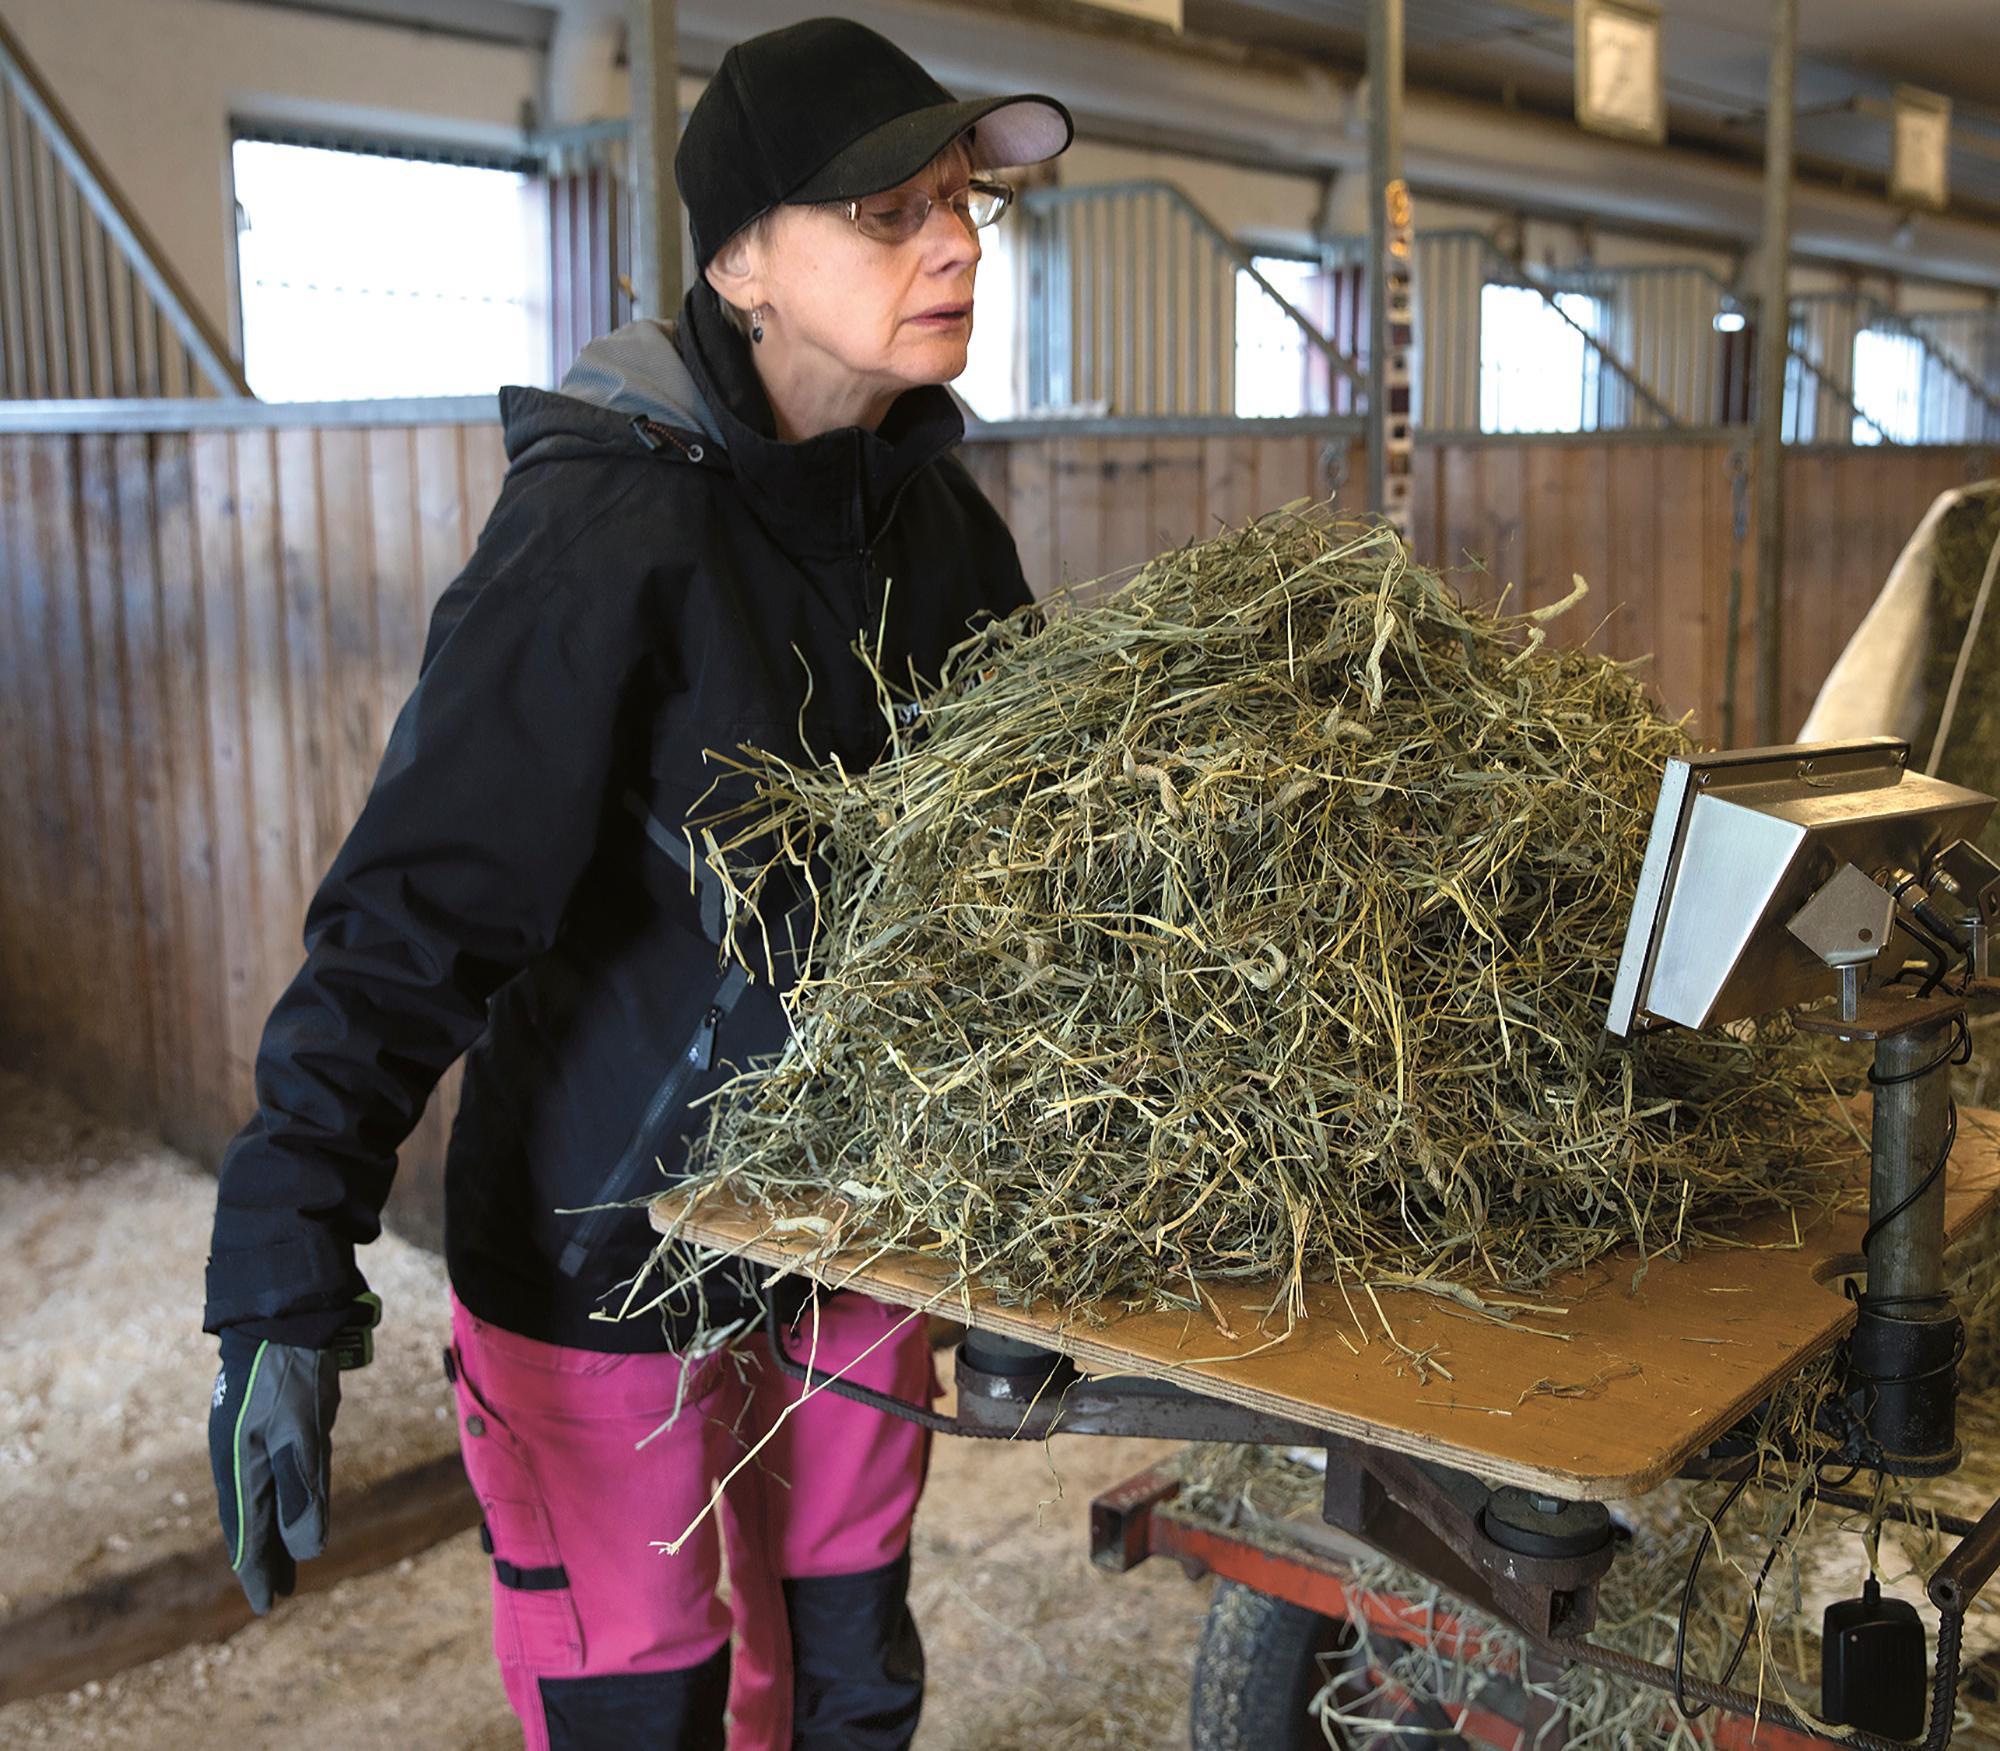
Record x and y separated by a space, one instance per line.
1601 1400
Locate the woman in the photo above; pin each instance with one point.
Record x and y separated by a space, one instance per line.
693 536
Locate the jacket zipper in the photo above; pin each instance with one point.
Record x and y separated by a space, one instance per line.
696 1058
871 604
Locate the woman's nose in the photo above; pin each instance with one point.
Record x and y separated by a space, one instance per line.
957 244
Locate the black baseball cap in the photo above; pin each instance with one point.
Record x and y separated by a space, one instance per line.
829 110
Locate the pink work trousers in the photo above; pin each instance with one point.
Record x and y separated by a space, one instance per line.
553 1438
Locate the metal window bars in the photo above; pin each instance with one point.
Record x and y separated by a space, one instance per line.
1670 345
1131 296
89 309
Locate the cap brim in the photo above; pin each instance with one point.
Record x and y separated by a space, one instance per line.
1006 131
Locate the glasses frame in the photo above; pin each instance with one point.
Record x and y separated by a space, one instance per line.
1003 192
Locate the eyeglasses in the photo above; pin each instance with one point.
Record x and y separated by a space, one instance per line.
898 214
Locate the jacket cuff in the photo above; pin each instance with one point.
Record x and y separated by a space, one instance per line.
309 1277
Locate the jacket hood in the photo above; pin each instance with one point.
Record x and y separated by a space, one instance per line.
695 377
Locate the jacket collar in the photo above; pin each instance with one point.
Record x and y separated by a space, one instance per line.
826 494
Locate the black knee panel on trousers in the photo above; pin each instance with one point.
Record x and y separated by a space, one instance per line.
675 1711
857 1663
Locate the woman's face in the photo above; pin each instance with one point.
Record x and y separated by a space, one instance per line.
891 316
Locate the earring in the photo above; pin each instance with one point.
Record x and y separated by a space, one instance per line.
757 323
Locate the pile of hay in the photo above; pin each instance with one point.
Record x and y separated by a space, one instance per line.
1256 921
1965 539
1966 535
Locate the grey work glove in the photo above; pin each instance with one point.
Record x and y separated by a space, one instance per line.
270 1442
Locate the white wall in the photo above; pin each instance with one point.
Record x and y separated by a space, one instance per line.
153 85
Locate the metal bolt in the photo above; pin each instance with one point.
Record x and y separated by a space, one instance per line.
1546 1504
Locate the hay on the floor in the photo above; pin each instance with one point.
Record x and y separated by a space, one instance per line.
1256 921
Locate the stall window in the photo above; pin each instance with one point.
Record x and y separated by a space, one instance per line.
1537 372
367 275
1888 386
1274 368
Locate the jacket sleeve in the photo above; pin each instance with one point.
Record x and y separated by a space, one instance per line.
485 811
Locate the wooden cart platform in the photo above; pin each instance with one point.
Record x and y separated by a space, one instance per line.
1601 1391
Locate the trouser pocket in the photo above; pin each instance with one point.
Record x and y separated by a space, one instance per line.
535 1622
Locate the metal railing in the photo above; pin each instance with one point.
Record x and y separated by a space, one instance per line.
1668 346
1958 387
88 307
1131 299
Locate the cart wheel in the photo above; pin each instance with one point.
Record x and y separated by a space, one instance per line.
1260 1664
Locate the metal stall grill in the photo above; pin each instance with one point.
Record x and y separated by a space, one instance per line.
88 308
1132 309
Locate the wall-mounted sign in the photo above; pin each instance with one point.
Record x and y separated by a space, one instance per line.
1618 82
1167 12
1920 159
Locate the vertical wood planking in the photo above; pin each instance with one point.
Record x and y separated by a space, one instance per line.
1586 477
309 711
225 656
192 1057
278 892
355 729
159 975
1079 531
1629 592
1125 469
1229 484
1682 601
26 901
394 546
1174 494
81 1002
203 640
1032 512
443 539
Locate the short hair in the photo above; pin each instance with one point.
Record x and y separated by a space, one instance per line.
957 154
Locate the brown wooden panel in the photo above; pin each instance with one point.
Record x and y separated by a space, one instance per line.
219 580
77 1003
1079 523
159 975
26 901
394 550
1547 557
1806 614
301 561
196 1110
1626 599
277 886
1031 492
355 727
204 640
1174 494
1124 482
1683 582
1586 478
1496 534
1229 483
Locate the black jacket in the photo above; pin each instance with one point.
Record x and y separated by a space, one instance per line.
658 578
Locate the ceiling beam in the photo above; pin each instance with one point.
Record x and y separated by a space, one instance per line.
515 22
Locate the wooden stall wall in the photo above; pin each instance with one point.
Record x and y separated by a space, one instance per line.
1660 528
203 640
205 636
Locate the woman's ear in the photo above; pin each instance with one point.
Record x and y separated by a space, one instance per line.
733 272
